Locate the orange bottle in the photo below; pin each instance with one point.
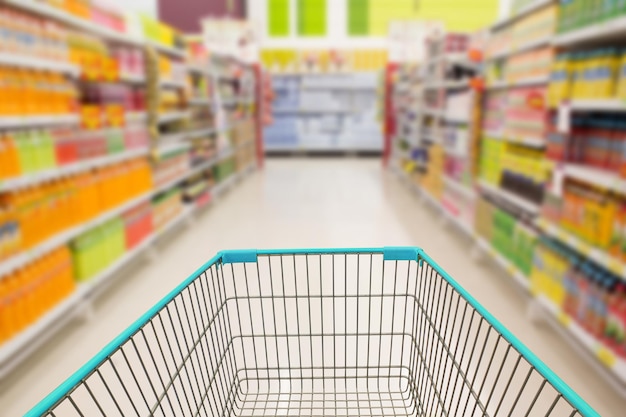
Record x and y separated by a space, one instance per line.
4 92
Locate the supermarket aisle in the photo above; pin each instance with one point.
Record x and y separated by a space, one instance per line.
301 203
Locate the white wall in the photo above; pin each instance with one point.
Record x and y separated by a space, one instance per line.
337 33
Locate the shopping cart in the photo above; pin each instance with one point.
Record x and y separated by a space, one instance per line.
316 332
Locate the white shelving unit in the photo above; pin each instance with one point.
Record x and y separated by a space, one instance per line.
173 116
528 82
327 112
523 12
50 12
22 61
172 84
200 101
22 345
457 186
7 122
528 46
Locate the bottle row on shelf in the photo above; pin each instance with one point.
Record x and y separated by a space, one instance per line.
593 74
24 292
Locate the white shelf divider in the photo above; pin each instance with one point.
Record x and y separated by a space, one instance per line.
173 116
457 186
527 82
527 206
25 61
523 12
8 122
45 10
167 50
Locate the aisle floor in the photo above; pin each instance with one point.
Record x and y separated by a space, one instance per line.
300 203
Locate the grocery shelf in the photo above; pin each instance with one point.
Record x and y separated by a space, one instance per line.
225 184
45 10
174 147
458 58
25 61
603 32
70 169
11 264
176 84
526 82
526 141
434 112
339 87
448 85
599 256
232 101
312 148
245 144
173 116
609 105
38 121
196 133
133 78
601 355
459 187
453 119
534 44
199 69
25 343
165 49
522 203
518 277
596 176
523 12
200 101
431 138
311 111
193 171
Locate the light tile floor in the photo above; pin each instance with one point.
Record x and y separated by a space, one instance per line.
301 203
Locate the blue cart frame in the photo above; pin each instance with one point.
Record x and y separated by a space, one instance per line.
373 331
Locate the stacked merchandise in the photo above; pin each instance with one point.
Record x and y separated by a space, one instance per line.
243 140
576 14
502 231
330 112
519 56
283 132
591 74
31 292
585 295
77 188
448 123
517 169
406 97
166 207
432 180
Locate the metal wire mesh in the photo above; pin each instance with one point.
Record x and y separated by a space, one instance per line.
316 335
